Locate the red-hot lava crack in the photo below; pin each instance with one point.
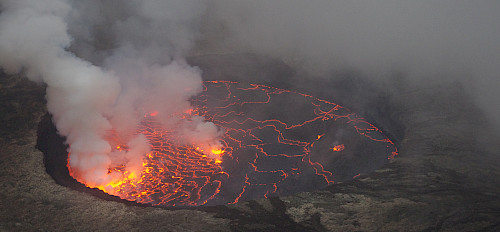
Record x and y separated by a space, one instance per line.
276 142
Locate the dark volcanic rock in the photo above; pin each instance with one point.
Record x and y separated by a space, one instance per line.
446 177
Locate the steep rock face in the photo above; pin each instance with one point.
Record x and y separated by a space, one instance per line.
446 176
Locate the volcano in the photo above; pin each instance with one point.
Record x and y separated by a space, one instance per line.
277 142
304 106
435 182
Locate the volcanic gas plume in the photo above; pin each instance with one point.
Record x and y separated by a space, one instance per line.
98 94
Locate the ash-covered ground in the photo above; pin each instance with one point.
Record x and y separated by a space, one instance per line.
445 178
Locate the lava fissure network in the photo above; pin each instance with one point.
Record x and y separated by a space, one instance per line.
276 142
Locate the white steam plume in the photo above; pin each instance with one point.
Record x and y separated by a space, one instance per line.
107 64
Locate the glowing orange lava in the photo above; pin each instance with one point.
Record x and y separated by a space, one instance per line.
338 147
266 150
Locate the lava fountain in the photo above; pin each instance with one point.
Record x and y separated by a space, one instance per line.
276 142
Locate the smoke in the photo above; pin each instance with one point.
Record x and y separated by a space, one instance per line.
433 43
106 65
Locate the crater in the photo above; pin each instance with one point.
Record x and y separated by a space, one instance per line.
277 142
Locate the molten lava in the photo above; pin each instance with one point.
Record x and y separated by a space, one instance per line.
276 142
